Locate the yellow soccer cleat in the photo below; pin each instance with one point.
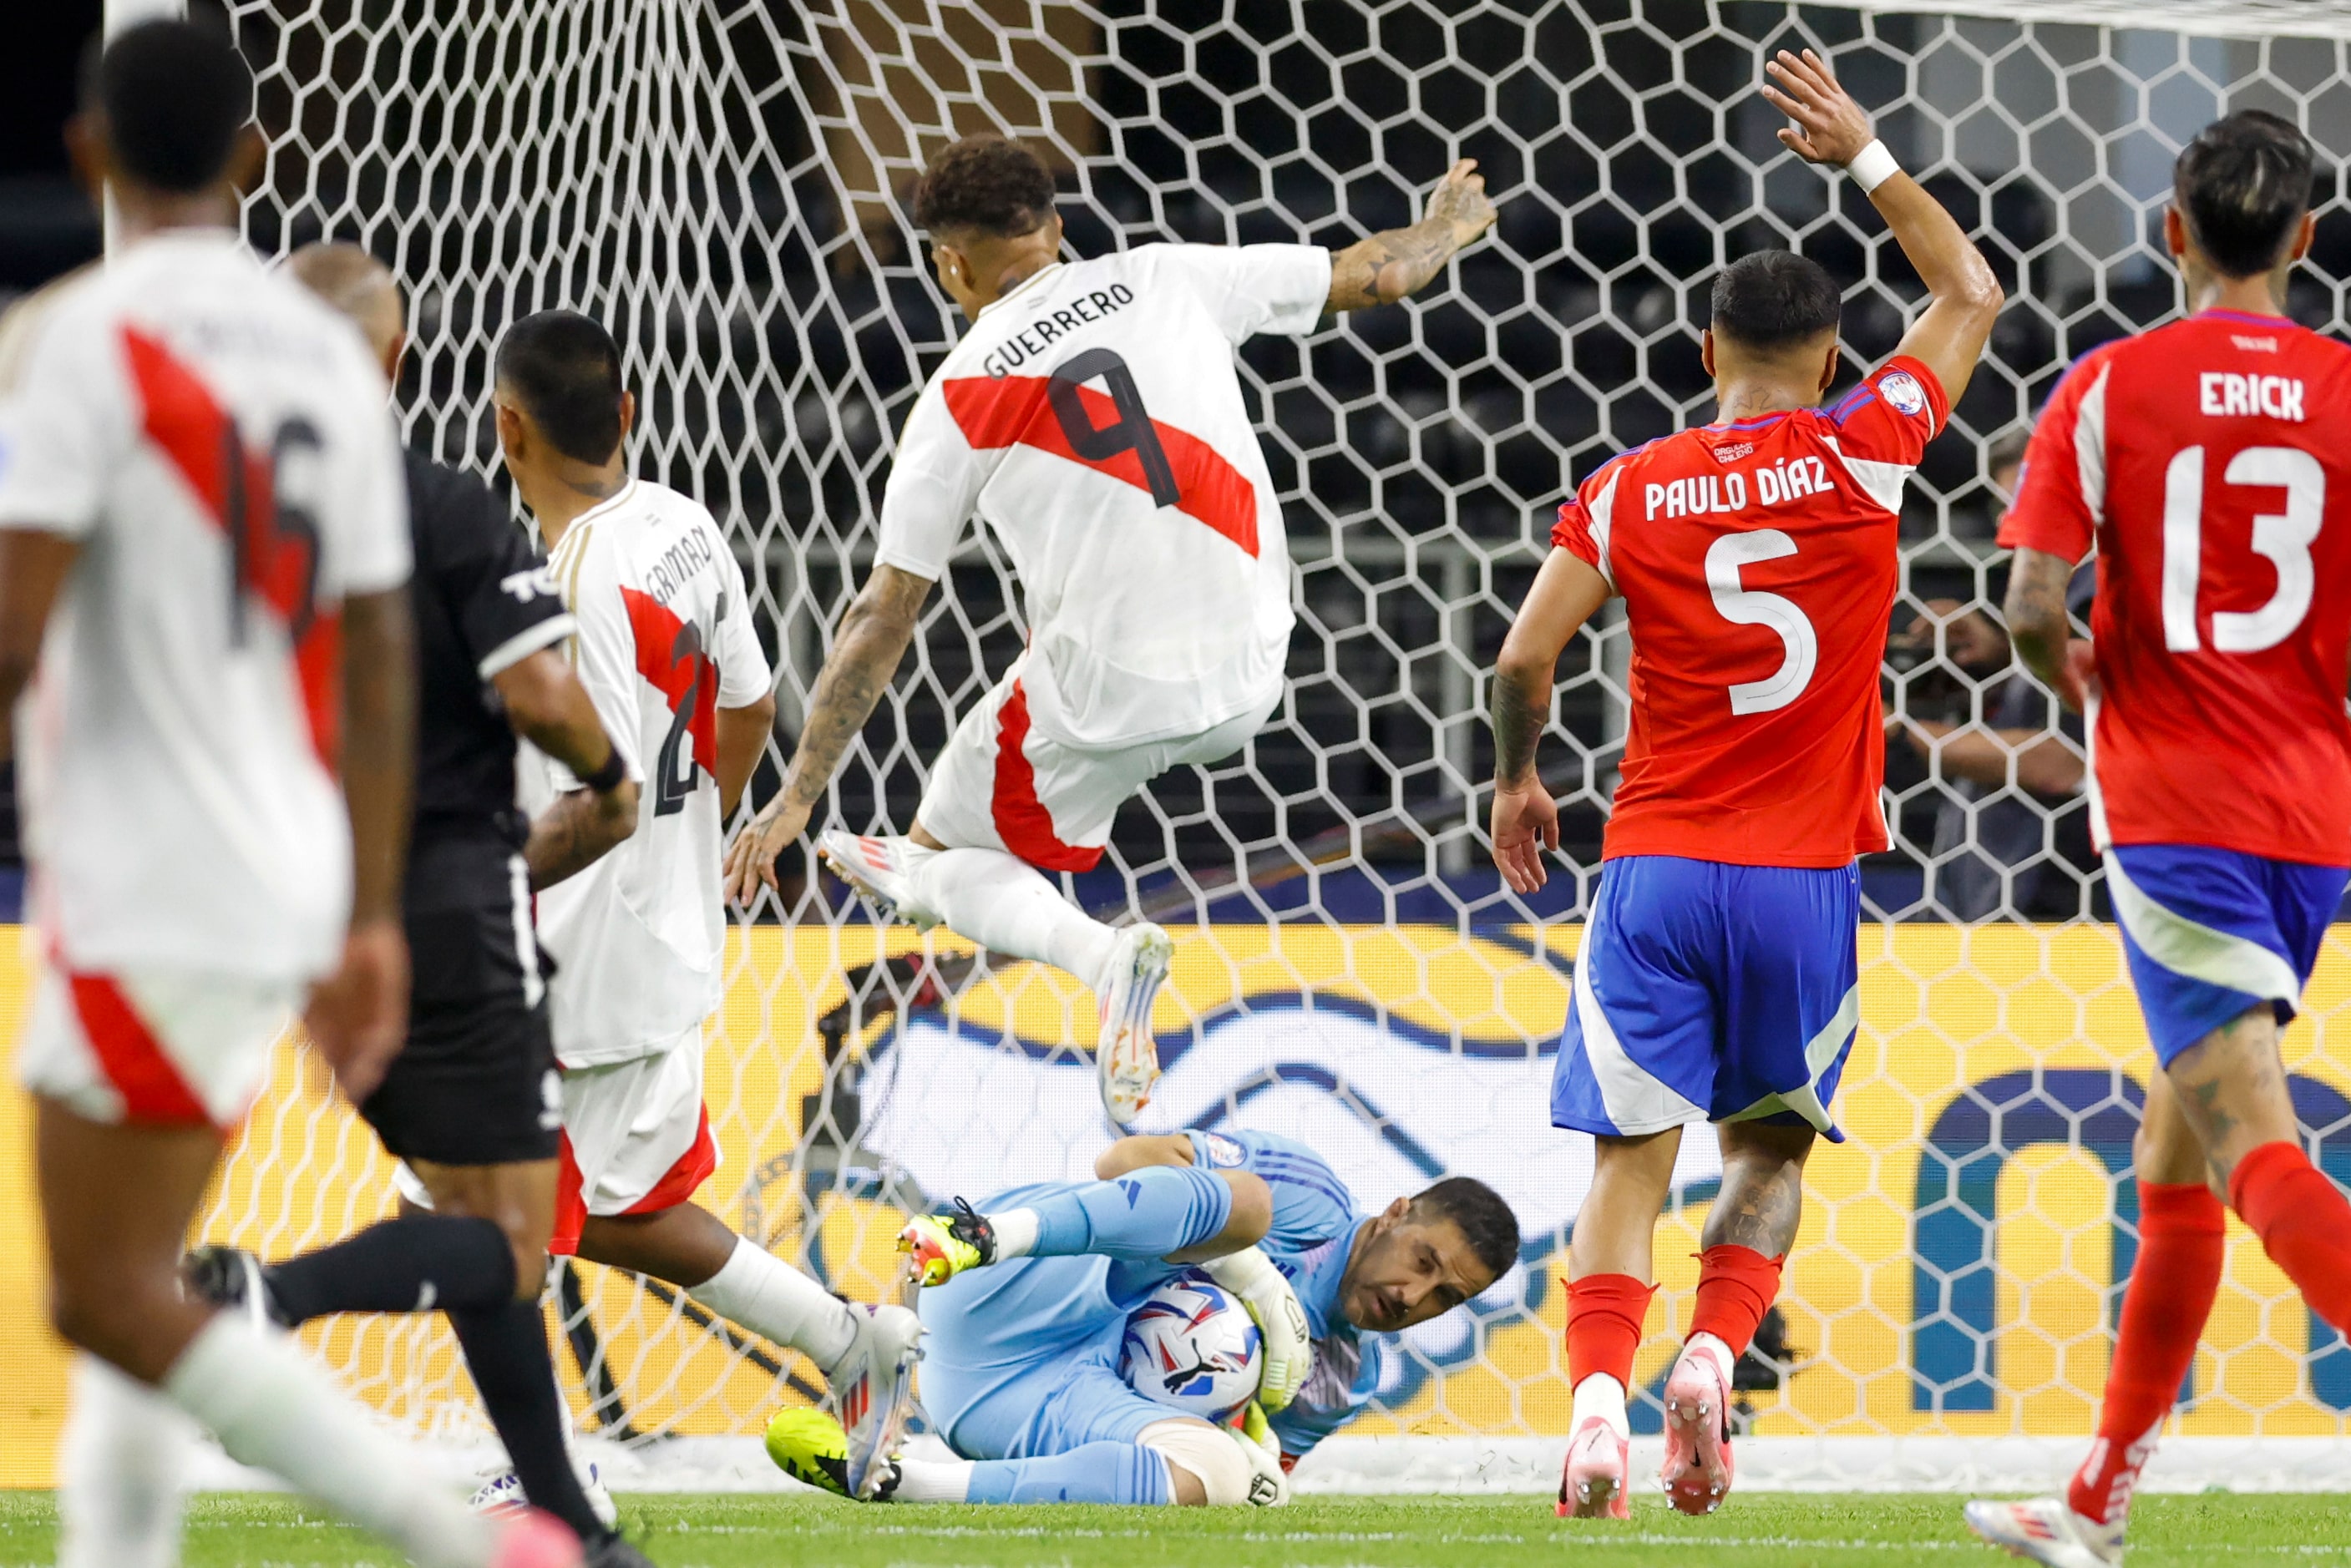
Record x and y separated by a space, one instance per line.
944 1245
809 1446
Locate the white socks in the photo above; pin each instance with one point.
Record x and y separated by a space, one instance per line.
1603 1396
122 1470
780 1305
933 1480
1008 906
272 1409
1015 1234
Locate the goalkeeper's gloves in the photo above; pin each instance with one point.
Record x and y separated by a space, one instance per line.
1268 1481
1289 1345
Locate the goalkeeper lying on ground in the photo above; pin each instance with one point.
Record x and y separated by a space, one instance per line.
1029 1300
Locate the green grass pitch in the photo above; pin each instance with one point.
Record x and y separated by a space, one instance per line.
1762 1531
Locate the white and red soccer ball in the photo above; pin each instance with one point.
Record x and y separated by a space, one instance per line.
1191 1346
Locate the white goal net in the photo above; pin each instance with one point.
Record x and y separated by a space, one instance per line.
723 182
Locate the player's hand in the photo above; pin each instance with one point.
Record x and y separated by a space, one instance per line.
1281 1324
1525 826
1830 127
751 859
1460 202
358 1016
1269 1476
2077 675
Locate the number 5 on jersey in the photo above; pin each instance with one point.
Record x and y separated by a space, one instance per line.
1753 606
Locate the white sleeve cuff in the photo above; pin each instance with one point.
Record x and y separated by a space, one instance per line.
523 644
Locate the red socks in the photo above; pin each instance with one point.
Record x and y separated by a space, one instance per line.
2182 1244
1605 1313
1736 1286
2303 1223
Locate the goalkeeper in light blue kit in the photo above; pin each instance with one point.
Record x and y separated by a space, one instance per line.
1030 1298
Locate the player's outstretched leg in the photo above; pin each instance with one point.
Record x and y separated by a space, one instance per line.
1148 1213
1616 1233
1177 1461
867 1353
1748 1230
2182 1249
1008 906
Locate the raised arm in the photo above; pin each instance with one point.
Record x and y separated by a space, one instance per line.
873 637
1390 264
1964 296
1566 593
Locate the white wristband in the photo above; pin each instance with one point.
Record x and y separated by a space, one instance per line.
1872 166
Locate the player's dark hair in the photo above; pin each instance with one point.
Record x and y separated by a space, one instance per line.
566 370
2243 186
1484 1221
986 185
1774 299
172 94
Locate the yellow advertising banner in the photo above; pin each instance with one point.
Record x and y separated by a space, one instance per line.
1956 1275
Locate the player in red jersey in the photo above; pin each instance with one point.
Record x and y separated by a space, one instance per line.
2206 461
1717 979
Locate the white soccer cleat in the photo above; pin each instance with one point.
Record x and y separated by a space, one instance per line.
500 1494
877 870
1697 1472
1596 1480
2047 1531
1127 1058
872 1388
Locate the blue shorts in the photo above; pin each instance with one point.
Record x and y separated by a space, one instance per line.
1021 1357
1711 993
2211 934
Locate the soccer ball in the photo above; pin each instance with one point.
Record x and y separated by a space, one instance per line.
1191 1346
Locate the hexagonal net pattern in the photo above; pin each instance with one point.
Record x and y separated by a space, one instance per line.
723 182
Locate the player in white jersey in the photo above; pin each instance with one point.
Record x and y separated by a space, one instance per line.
667 651
204 547
1093 418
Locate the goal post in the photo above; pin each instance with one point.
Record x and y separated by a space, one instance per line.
723 182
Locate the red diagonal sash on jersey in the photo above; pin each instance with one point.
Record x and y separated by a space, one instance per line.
671 659
237 490
1015 411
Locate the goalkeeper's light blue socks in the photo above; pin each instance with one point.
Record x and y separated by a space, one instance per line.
1094 1472
1136 1217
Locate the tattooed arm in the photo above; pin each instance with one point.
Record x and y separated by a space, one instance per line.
2040 629
1395 263
1526 819
873 637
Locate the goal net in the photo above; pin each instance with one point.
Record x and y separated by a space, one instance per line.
723 182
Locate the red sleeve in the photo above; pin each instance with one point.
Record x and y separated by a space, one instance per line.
1892 415
1575 531
2051 513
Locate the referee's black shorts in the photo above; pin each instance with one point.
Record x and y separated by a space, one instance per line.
476 1084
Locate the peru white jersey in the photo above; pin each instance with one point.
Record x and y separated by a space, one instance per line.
665 640
1093 419
221 444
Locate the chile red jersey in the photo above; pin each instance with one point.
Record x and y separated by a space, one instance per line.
2209 462
1757 562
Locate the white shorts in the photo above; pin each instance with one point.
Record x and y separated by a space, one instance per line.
999 784
636 1138
154 1048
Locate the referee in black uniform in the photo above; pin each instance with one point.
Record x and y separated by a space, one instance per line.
472 1104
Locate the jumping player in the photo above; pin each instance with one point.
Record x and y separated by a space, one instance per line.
203 545
472 1102
1093 418
1029 1301
666 649
2206 461
1717 981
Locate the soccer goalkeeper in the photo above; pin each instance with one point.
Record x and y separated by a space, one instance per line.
1030 1298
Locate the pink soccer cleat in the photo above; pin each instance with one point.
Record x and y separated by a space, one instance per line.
1697 1472
1593 1486
536 1540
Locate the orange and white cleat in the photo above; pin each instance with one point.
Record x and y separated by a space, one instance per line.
880 870
1126 1056
1595 1482
2046 1530
1697 1472
941 1246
